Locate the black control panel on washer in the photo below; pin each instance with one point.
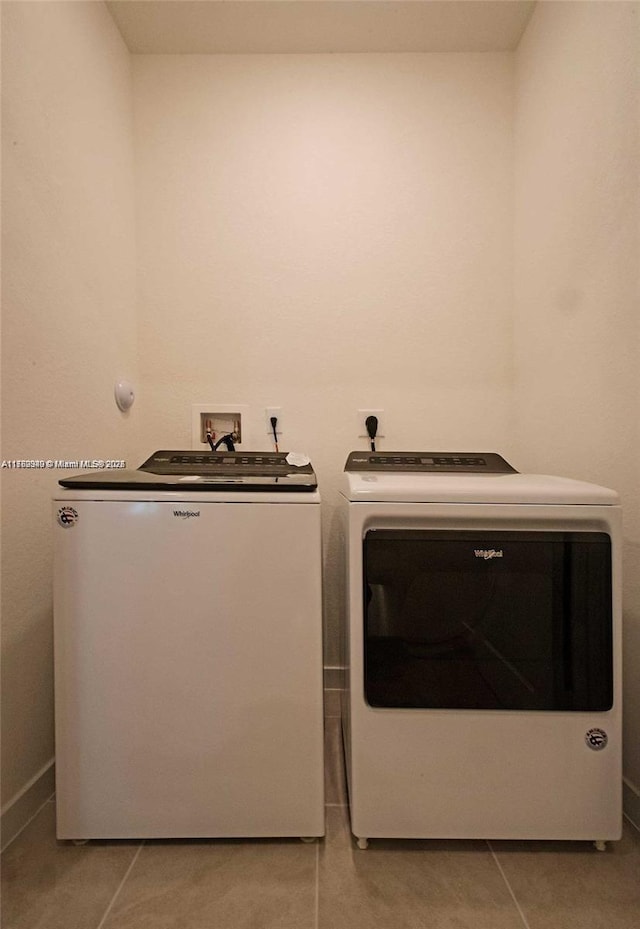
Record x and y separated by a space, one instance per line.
226 464
434 462
199 471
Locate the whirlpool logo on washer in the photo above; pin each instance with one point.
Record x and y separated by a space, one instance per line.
186 514
488 553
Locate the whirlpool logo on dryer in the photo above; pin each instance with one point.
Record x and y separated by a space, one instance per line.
185 514
488 553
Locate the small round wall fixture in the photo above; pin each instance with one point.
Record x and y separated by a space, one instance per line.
125 395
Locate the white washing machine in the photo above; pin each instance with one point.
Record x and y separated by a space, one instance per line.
188 650
482 651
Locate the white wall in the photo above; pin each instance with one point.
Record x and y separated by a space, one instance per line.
325 233
577 248
68 294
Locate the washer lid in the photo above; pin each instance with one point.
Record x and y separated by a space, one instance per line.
515 488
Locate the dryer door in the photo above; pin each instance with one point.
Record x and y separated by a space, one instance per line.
488 620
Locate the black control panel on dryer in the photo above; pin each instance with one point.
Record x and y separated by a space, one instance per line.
434 462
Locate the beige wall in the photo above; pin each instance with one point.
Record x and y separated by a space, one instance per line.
321 233
577 242
68 294
325 233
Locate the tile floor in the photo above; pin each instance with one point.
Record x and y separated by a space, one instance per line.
284 884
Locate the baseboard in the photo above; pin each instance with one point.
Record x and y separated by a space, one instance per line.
631 802
22 807
333 678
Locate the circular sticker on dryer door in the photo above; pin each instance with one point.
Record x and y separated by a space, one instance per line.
596 739
67 516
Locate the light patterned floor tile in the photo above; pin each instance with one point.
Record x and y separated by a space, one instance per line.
410 884
56 885
219 884
570 885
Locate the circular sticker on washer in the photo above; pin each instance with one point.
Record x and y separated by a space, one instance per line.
67 516
596 739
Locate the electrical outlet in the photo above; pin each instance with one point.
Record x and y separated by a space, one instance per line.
361 427
268 413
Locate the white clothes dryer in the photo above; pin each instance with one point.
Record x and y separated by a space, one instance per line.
482 651
188 650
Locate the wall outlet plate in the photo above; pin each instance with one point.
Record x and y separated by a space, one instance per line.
220 419
270 411
361 427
